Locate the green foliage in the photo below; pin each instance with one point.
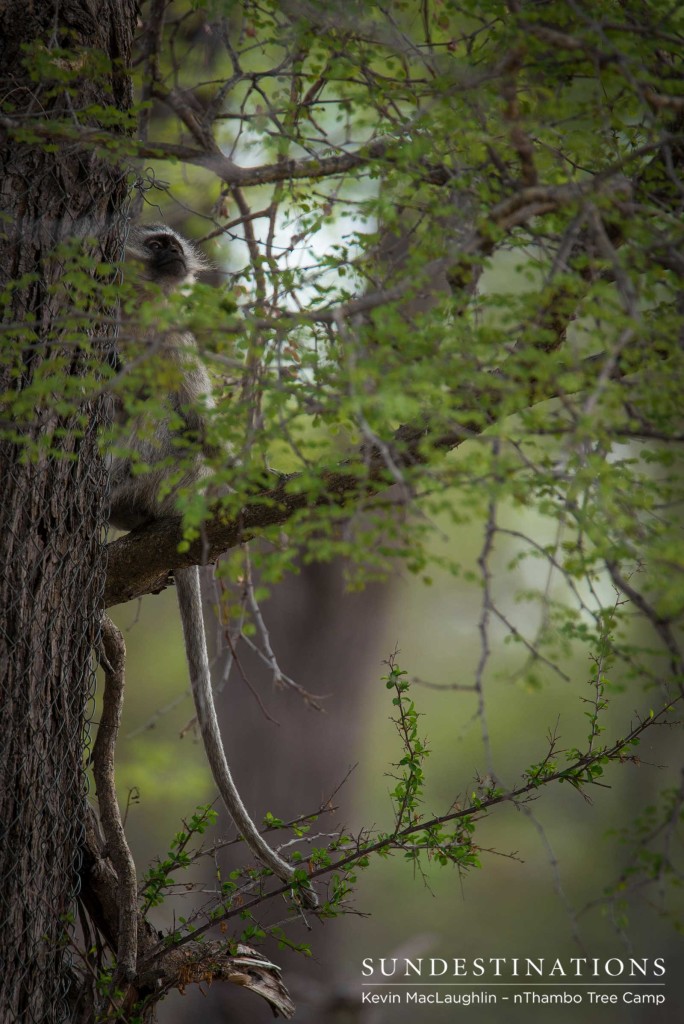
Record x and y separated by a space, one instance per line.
450 243
407 793
648 843
160 876
423 840
446 841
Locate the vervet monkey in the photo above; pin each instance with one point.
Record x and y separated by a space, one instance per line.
167 261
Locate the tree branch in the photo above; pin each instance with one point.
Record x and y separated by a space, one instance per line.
113 659
201 962
166 968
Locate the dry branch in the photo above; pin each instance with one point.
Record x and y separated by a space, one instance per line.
113 659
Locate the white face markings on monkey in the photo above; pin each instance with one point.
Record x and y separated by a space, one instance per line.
165 257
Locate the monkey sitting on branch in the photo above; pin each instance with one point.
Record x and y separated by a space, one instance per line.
167 261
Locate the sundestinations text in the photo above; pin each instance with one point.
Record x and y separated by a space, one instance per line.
514 967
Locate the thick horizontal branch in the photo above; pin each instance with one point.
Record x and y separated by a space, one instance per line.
140 562
211 158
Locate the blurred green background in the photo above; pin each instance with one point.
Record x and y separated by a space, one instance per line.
538 893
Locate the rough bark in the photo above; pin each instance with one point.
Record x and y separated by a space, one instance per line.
53 505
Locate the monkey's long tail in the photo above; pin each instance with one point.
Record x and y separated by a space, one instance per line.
190 604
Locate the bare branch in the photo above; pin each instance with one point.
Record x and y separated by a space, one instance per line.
113 662
215 961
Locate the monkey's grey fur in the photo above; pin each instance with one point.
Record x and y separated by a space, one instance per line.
169 261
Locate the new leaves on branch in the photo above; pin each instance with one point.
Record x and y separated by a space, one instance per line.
447 297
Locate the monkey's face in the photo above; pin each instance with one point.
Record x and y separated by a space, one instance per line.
165 259
163 256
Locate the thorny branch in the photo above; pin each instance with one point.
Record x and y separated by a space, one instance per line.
578 769
140 562
160 967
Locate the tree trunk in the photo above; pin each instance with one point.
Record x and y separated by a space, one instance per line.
52 515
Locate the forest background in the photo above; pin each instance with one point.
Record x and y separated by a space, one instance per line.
444 321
